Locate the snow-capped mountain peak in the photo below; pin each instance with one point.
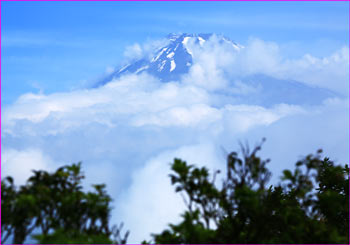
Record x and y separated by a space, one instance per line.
170 61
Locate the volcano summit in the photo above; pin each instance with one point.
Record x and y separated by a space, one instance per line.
176 58
171 61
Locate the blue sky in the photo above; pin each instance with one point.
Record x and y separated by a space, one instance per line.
127 132
59 46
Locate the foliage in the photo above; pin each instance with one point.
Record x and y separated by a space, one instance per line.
56 204
310 205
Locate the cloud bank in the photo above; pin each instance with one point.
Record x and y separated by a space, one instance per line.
127 132
219 62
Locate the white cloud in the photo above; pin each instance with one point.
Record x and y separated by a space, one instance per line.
211 60
216 64
259 57
264 57
19 164
193 115
133 100
145 50
329 72
241 118
133 52
152 199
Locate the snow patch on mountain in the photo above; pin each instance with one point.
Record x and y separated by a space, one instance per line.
173 65
141 69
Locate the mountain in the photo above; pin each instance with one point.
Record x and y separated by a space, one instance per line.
170 62
270 91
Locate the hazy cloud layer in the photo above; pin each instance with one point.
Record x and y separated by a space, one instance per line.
128 131
222 62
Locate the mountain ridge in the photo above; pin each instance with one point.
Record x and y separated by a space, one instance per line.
170 62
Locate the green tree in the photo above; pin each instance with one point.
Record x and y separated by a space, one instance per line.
8 199
56 204
309 205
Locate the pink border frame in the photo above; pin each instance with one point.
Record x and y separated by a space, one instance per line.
161 1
